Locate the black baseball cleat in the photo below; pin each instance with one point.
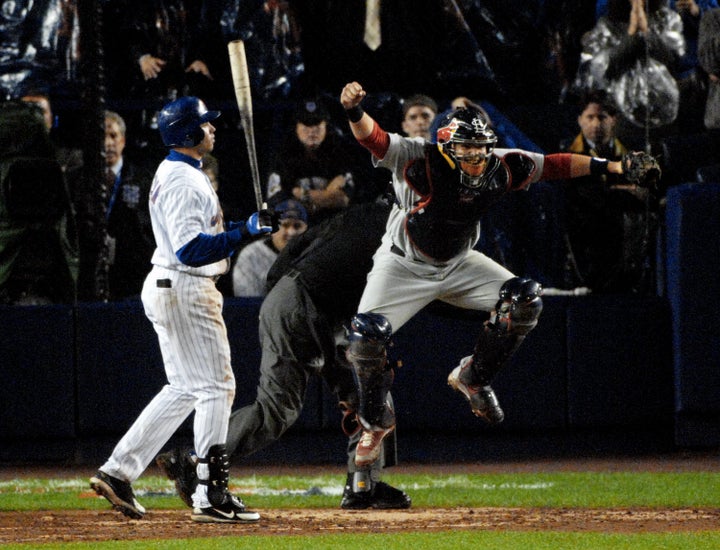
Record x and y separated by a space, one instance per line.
381 497
119 493
232 510
179 466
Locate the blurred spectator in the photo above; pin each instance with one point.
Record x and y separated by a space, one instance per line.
39 41
691 78
418 111
691 12
168 47
70 158
38 238
129 243
606 222
317 166
272 43
709 55
635 56
211 167
130 233
255 260
528 45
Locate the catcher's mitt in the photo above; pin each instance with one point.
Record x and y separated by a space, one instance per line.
641 169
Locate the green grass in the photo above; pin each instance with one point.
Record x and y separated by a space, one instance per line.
419 541
578 489
561 490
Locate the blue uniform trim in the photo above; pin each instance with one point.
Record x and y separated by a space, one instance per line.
177 156
207 249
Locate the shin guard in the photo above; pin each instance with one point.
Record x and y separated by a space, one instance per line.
516 314
219 465
373 378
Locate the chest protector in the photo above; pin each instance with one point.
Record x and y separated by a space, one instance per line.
444 221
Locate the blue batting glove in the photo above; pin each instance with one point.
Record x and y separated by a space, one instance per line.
259 222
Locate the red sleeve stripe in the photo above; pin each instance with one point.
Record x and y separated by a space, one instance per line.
556 166
377 142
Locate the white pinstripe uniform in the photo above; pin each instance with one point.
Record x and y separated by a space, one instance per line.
185 308
469 280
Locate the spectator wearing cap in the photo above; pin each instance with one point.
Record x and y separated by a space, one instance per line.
316 165
255 260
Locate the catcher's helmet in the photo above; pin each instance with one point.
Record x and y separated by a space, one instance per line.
468 127
179 121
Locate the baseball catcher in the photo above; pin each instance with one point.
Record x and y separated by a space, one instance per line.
442 190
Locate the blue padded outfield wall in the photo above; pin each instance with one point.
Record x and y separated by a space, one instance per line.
693 289
599 374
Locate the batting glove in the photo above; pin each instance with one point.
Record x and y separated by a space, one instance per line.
260 222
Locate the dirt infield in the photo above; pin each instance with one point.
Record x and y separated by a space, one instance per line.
89 526
105 525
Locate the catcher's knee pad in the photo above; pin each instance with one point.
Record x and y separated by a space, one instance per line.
519 306
368 336
371 328
218 463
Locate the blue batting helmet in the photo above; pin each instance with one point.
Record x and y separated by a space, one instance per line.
179 121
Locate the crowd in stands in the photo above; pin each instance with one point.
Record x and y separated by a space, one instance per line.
595 78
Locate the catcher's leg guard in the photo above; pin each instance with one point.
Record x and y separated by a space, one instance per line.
516 314
219 465
369 334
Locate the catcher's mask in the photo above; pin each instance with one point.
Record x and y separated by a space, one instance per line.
466 140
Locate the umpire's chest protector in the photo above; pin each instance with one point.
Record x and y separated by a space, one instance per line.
443 222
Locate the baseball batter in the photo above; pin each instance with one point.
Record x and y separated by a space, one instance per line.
185 308
427 251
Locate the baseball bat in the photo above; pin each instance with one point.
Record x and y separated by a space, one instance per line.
243 96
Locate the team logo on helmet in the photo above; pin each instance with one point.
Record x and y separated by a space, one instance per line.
478 125
446 133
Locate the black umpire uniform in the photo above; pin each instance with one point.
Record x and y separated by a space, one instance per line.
315 287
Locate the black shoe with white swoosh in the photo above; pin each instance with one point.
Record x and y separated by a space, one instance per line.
232 510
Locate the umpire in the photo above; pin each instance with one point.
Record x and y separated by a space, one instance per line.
314 288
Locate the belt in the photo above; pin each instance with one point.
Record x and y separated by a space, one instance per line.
399 252
167 283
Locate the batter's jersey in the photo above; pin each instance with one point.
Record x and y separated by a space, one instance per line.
400 151
183 204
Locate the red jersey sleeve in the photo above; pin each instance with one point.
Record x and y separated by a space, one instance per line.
377 142
556 167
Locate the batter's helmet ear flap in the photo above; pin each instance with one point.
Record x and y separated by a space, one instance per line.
194 137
